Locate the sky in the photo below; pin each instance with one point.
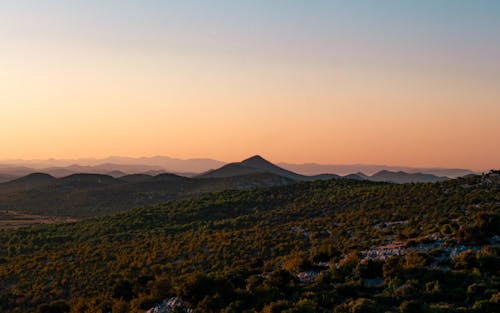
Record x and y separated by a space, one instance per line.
413 83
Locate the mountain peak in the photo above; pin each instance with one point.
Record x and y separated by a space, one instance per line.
260 163
35 178
252 165
255 158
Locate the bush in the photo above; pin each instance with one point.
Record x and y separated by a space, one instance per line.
360 305
370 269
471 235
465 260
123 290
414 306
281 279
276 307
303 306
297 263
486 306
347 265
55 307
414 259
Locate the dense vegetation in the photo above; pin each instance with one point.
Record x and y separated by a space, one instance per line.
89 195
241 251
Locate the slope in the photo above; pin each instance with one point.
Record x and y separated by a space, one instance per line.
254 243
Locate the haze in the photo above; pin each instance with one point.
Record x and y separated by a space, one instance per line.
339 82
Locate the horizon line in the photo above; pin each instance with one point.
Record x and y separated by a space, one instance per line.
427 167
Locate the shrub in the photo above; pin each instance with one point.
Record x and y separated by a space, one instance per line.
414 306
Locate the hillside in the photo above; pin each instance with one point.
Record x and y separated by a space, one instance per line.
402 177
87 195
322 246
257 164
370 169
64 167
252 165
5 178
31 181
158 164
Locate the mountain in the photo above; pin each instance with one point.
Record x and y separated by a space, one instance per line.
357 176
398 177
135 178
402 177
17 171
126 164
229 170
114 170
5 178
86 195
252 165
89 180
322 177
314 169
191 167
257 164
31 181
116 173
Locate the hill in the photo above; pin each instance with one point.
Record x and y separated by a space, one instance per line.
402 177
323 246
257 164
5 178
86 195
252 165
28 182
121 166
64 167
370 169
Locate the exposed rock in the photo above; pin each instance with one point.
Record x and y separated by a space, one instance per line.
168 305
307 277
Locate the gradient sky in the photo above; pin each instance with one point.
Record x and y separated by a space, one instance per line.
389 82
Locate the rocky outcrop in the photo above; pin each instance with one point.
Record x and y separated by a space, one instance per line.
168 306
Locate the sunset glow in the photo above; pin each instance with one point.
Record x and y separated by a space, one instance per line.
324 81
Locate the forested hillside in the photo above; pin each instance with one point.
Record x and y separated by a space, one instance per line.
323 246
90 195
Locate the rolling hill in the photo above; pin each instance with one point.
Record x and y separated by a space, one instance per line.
402 177
252 165
5 178
322 246
84 195
315 169
257 164
119 166
28 182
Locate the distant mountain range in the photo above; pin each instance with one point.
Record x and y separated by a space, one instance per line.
314 169
86 195
125 164
258 164
89 194
120 166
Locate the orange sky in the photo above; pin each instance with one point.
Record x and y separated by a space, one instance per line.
62 97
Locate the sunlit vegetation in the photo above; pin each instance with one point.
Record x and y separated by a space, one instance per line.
241 251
